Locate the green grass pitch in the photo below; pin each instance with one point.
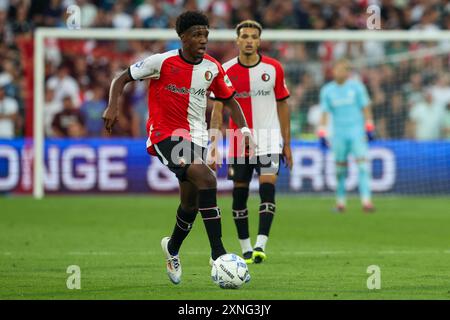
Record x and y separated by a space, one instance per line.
312 253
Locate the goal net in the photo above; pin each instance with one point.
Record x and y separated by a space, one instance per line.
406 74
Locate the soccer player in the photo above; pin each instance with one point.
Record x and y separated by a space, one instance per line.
262 94
177 135
348 103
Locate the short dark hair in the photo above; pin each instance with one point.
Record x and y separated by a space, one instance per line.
249 24
190 18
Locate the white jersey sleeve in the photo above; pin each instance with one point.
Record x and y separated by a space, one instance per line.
150 67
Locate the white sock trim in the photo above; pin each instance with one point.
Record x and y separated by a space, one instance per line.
261 241
246 245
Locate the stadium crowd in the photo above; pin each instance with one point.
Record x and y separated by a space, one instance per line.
409 83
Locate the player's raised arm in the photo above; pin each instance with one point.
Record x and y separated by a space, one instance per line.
111 113
285 126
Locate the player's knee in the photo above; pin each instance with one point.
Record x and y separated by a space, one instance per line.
208 180
363 166
268 178
241 184
341 169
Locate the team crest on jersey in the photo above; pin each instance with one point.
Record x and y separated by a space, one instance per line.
265 77
208 75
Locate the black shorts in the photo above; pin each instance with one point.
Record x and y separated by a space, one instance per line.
178 154
241 169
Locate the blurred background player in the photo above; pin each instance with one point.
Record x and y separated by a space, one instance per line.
348 103
177 128
262 94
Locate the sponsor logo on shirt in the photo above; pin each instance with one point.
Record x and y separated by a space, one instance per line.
252 93
174 69
183 90
227 81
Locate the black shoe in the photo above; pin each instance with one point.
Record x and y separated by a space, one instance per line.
248 257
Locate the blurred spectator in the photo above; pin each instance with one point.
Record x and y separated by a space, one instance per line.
92 111
8 115
441 89
387 67
145 10
53 13
21 24
69 123
426 119
51 108
120 18
88 13
428 21
446 123
159 18
412 89
397 114
64 85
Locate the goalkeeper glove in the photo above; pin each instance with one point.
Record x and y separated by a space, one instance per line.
323 142
370 130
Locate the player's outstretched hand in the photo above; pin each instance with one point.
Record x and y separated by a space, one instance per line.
370 131
109 117
287 156
249 142
213 159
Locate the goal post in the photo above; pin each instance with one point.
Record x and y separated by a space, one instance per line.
41 34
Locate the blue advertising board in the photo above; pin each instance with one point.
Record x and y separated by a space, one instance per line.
123 166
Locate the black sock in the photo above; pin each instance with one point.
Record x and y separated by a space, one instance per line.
207 201
183 226
240 212
266 208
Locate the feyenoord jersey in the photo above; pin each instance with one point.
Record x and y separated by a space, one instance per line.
177 96
258 88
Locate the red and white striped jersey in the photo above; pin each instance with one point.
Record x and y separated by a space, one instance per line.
258 88
177 96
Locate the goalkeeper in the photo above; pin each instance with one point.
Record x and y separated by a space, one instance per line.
347 102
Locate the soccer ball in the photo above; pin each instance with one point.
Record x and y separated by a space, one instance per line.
230 271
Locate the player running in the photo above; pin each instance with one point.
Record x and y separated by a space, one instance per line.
177 135
262 94
348 103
